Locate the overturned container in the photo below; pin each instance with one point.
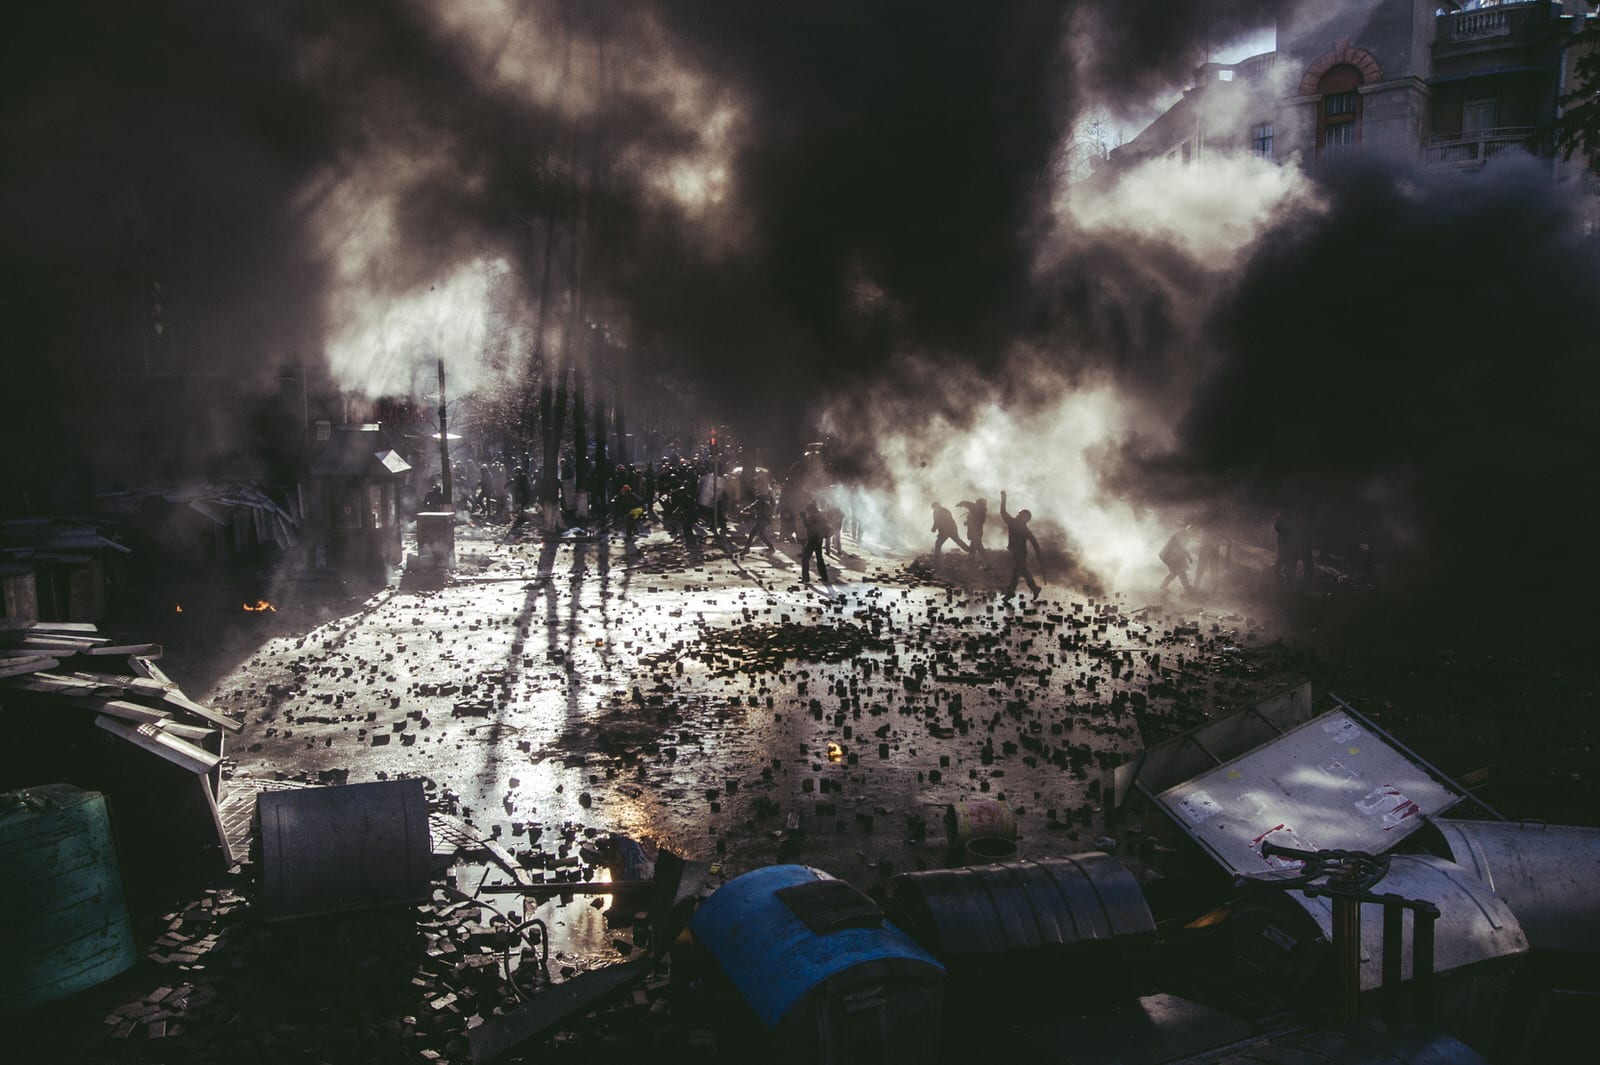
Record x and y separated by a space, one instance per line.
1048 925
64 924
1280 946
351 847
1547 874
825 978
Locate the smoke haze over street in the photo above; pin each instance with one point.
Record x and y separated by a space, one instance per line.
836 215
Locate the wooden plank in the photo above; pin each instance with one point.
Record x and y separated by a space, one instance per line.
150 671
120 708
145 650
179 752
137 685
176 698
185 731
16 667
64 685
51 642
78 628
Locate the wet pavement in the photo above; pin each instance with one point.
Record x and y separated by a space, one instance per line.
713 705
550 694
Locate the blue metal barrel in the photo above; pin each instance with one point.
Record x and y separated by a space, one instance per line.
63 922
824 974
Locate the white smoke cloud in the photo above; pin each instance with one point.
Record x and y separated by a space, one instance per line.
972 438
1211 212
1046 459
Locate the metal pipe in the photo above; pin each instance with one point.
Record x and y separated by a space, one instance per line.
1347 958
444 448
1422 918
1393 956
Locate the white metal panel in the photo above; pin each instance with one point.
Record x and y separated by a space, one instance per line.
1330 784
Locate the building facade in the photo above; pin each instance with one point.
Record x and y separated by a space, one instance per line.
1452 84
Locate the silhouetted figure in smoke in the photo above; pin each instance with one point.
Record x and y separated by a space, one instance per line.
944 526
1210 558
816 524
686 511
489 497
521 496
630 508
977 513
790 514
834 541
1018 537
1175 554
434 500
761 509
1294 547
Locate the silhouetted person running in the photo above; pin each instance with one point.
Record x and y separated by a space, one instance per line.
1176 556
762 509
944 524
977 513
1018 537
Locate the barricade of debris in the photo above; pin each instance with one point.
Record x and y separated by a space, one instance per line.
105 718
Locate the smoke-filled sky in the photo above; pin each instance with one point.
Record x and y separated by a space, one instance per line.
761 199
771 215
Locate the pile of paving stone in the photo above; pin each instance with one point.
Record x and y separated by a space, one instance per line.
766 648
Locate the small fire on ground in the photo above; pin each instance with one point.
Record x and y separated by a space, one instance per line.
261 606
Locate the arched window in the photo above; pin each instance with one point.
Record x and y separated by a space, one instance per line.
1339 110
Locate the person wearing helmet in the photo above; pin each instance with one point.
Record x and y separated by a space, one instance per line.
630 508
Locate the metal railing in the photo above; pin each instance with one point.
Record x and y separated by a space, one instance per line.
1508 20
1256 66
1470 149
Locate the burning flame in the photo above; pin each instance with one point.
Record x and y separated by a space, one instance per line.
180 608
261 605
835 752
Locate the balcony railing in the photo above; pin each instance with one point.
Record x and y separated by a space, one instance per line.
1471 149
1257 66
1508 20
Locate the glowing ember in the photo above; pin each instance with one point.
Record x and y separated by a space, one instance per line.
835 752
261 605
179 608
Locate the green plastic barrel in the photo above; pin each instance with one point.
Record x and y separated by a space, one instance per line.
63 922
